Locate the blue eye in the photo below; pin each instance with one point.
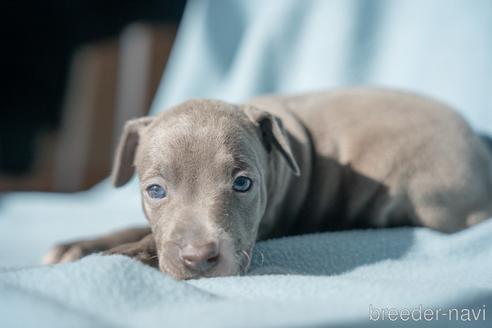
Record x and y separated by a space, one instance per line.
242 184
156 192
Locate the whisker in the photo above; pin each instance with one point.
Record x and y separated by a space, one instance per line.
248 260
240 256
247 255
262 257
239 259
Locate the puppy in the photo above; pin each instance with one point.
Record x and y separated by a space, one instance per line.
215 177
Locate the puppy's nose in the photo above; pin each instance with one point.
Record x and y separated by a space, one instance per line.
200 258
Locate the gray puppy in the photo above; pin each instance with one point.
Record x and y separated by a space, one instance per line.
215 177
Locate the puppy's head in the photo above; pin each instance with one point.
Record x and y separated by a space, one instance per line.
204 169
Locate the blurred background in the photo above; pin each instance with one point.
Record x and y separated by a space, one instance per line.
74 72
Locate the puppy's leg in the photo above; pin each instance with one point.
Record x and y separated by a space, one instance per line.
75 250
143 250
454 209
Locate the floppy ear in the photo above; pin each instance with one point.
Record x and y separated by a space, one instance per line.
273 134
123 167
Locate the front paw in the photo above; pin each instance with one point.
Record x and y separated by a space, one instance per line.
67 252
136 251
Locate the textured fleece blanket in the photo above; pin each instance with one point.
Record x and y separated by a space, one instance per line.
343 278
232 50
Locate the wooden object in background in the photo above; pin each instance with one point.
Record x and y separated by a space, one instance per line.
110 82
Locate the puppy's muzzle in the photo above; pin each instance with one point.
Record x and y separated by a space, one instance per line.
199 258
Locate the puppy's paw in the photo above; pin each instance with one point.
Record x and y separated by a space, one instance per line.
136 251
66 253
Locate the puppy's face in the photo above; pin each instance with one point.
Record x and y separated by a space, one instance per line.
203 178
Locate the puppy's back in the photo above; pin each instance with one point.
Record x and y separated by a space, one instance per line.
432 167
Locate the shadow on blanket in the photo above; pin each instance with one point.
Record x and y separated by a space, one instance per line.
330 253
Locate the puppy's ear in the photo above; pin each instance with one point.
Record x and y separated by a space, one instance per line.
273 135
123 166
